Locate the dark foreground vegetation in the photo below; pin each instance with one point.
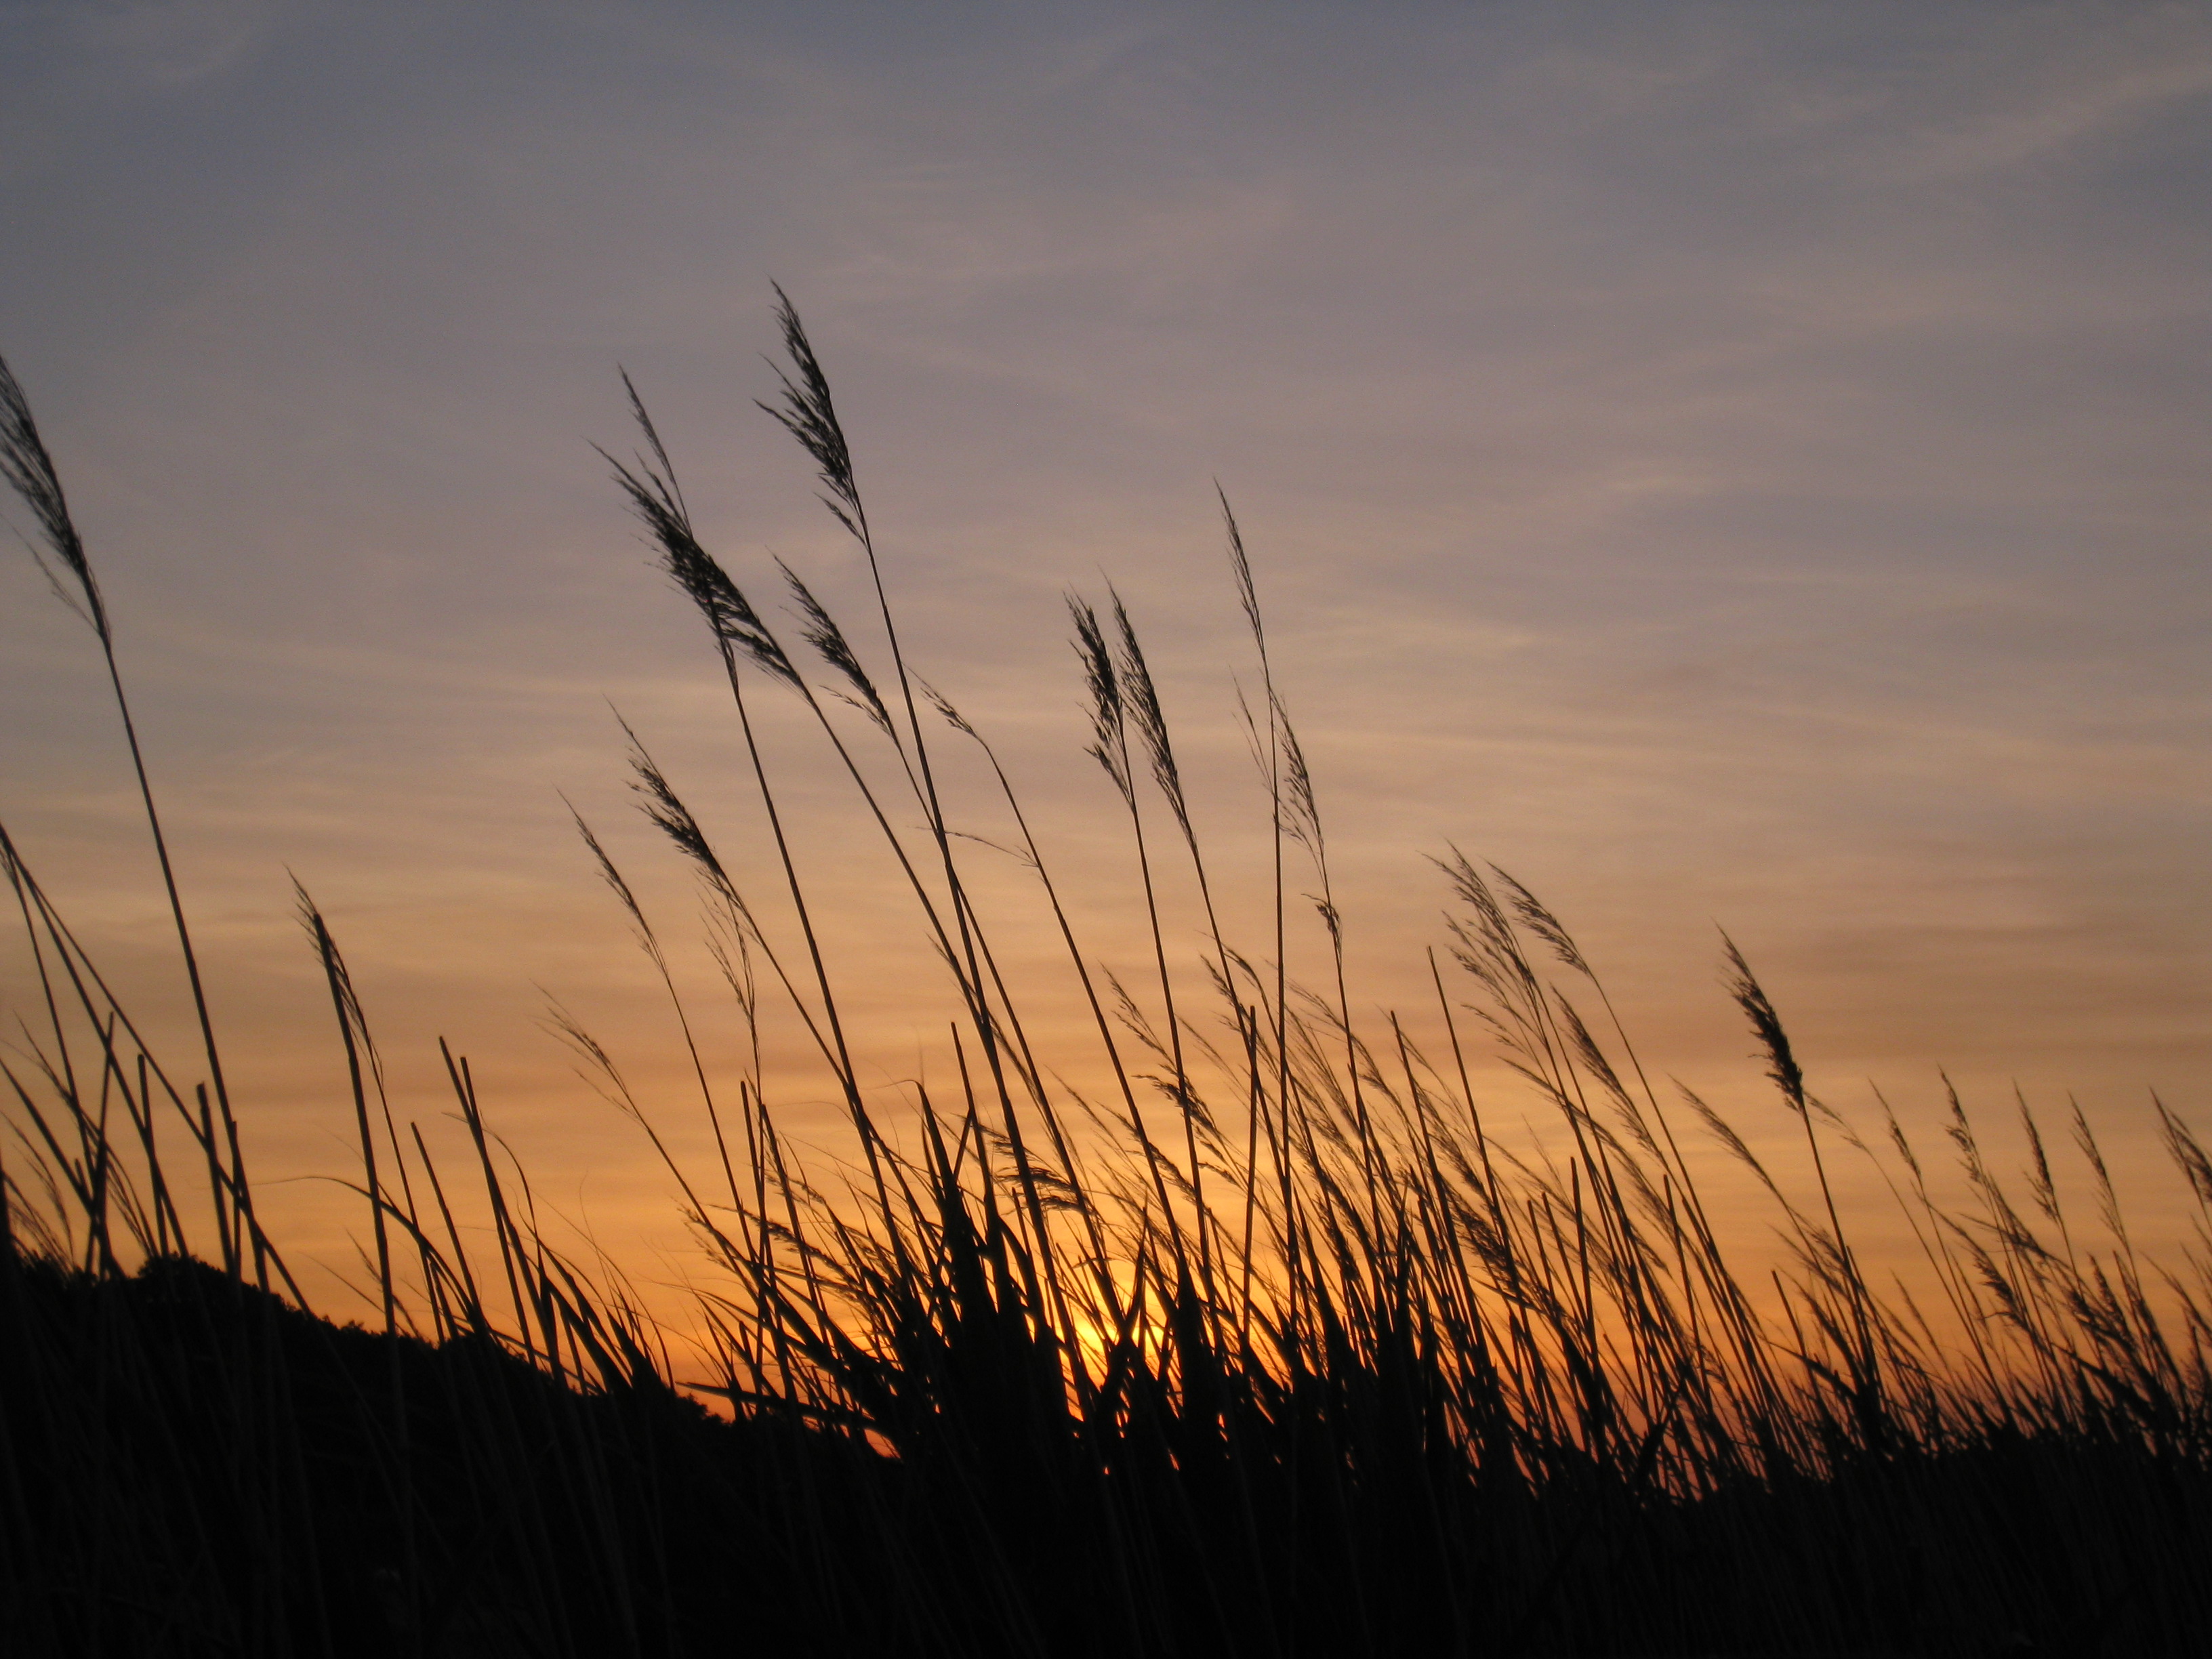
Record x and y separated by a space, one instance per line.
1270 1348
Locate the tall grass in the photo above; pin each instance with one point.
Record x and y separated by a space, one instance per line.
1232 1329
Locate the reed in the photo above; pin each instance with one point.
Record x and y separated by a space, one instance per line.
1252 1339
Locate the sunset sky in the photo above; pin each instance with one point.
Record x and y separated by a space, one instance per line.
1732 465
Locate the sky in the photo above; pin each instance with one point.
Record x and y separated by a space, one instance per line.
1735 466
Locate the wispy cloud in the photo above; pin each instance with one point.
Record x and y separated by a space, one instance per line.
174 42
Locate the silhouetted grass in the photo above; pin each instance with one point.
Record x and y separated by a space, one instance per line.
1270 1348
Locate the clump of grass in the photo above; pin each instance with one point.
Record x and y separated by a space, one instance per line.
1268 1345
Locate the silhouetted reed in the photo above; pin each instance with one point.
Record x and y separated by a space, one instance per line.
1239 1332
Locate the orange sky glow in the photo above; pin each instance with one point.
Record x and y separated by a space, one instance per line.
1735 467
